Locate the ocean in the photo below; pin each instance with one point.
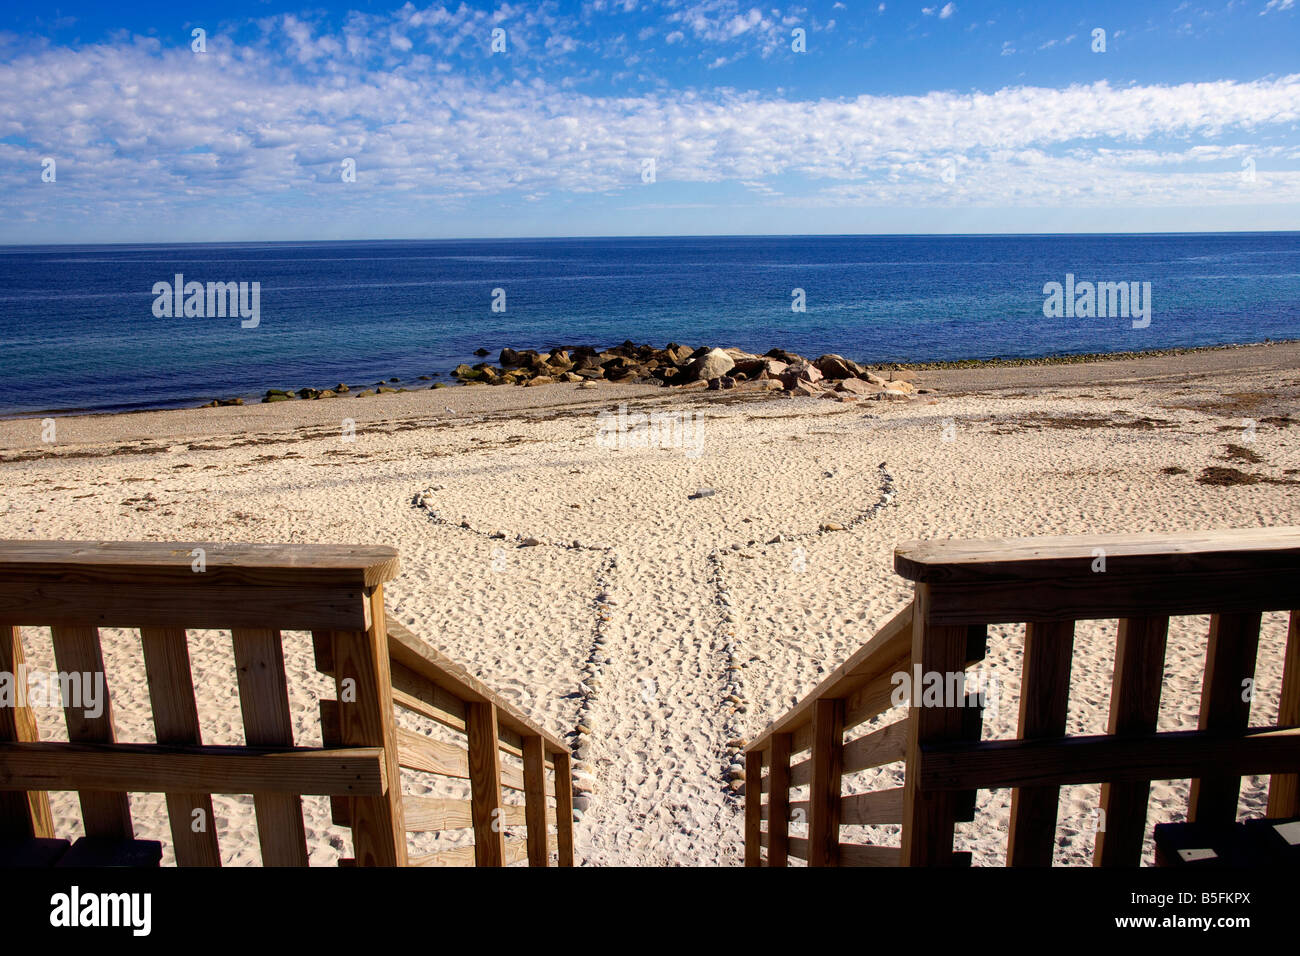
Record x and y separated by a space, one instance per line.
78 329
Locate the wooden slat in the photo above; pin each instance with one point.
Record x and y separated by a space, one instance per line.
797 847
419 696
1284 788
77 650
423 814
1229 662
878 656
873 808
563 809
515 850
363 686
23 816
176 721
801 772
1166 756
1134 709
856 854
1044 702
535 798
418 752
753 804
929 816
886 745
875 697
827 769
778 800
155 768
485 783
264 702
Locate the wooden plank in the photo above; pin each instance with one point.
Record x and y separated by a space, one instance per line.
886 745
563 809
929 816
157 768
873 808
176 721
363 686
827 770
878 656
418 656
1134 710
419 696
424 814
778 801
1096 759
753 804
535 799
515 850
77 651
418 752
856 854
264 703
801 772
797 846
1044 701
1229 663
876 696
23 816
1284 788
485 783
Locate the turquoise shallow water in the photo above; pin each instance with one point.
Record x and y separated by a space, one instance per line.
78 330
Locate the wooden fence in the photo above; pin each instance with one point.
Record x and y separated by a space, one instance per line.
1047 584
257 591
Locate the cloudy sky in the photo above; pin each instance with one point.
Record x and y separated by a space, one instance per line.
644 117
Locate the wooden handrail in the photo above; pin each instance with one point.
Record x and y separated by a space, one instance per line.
1048 584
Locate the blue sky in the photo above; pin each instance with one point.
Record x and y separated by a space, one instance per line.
895 117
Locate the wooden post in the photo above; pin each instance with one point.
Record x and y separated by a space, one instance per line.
77 651
23 814
827 771
535 799
176 721
1134 708
485 784
264 703
1284 788
753 806
563 809
363 685
1044 700
1229 661
778 802
929 817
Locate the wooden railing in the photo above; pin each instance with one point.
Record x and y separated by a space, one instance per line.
1047 584
257 591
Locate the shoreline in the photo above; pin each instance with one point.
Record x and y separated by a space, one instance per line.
450 382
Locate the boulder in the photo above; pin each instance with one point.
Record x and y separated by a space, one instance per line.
340 387
855 386
480 353
711 365
789 358
801 373
542 380
509 357
837 366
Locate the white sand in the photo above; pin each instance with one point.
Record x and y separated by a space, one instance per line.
523 619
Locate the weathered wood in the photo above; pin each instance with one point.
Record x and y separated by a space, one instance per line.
1172 755
856 854
1229 664
156 768
176 721
535 798
563 809
363 685
1284 788
886 745
264 703
1044 702
77 650
1134 709
423 814
827 770
485 784
515 850
418 752
753 805
877 695
872 808
929 816
23 816
778 800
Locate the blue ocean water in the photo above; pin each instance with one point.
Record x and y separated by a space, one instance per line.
77 329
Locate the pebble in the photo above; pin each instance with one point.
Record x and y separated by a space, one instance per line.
529 543
832 526
702 493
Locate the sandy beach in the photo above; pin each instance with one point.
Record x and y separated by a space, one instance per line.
745 520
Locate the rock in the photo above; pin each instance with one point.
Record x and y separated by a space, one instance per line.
582 802
889 394
789 358
832 526
369 391
586 385
856 386
439 385
837 366
510 357
542 380
803 390
463 371
737 786
702 493
875 379
385 390
711 365
277 398
481 352
327 393
902 375
340 388
802 373
306 393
